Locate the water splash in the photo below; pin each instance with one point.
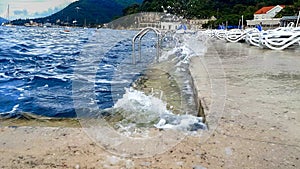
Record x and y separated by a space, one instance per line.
139 109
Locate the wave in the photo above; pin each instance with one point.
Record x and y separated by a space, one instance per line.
139 109
39 79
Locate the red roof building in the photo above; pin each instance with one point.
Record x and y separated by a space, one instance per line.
268 12
266 9
266 16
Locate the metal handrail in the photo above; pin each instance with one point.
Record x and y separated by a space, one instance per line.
139 36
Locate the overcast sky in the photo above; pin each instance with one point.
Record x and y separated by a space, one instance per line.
31 8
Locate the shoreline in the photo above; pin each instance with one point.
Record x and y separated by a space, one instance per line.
158 80
258 128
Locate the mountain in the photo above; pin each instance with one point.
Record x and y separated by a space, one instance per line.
86 12
2 20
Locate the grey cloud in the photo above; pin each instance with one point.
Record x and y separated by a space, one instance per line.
48 12
21 12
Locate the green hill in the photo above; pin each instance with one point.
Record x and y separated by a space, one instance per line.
89 12
93 12
223 10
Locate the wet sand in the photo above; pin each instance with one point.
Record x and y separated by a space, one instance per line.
260 125
251 98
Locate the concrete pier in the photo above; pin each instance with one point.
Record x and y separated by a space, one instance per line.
251 99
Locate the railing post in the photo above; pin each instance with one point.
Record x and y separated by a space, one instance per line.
133 52
297 23
140 36
157 48
140 50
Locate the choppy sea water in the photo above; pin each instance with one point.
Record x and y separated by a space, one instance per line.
37 68
53 73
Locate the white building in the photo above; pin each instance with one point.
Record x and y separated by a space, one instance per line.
170 22
163 21
198 23
148 19
267 12
265 16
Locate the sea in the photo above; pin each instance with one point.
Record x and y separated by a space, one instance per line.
51 72
37 67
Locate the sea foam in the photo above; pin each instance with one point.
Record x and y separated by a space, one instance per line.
141 108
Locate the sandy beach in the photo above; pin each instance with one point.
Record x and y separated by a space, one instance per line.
251 99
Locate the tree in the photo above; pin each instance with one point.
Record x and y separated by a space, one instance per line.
131 9
225 10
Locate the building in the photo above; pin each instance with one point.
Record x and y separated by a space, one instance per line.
160 20
170 22
148 19
266 16
136 21
163 21
288 19
198 23
268 12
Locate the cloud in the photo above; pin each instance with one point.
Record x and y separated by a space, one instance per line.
31 8
47 12
21 13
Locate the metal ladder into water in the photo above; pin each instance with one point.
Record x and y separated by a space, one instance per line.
139 36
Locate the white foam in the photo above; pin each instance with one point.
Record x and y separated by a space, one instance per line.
166 55
14 109
140 108
111 81
186 50
180 122
4 76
